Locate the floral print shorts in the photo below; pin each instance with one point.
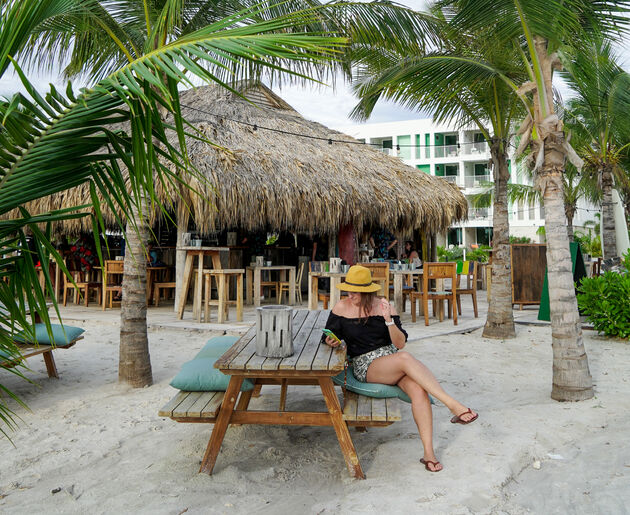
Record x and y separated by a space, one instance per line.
361 363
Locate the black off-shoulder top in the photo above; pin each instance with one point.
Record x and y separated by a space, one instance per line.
362 334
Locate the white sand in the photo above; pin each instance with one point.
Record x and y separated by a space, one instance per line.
107 451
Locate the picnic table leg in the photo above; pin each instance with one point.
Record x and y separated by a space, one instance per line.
283 395
221 425
198 289
185 285
343 435
49 360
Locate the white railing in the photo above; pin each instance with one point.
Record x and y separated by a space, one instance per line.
388 151
476 148
472 181
446 151
475 213
450 178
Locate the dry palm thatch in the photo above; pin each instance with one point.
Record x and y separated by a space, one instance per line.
259 178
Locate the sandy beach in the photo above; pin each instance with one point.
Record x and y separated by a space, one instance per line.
90 445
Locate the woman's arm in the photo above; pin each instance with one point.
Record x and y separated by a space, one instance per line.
397 336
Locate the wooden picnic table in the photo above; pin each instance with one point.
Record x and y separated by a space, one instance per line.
311 364
191 254
254 279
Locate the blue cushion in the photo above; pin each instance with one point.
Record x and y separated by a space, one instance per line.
199 375
61 335
378 390
216 347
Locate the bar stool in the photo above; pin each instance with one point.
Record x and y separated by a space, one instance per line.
222 278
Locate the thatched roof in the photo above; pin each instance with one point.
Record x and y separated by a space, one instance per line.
269 179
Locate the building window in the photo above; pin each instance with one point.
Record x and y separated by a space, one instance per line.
455 236
520 211
418 152
484 235
427 145
424 168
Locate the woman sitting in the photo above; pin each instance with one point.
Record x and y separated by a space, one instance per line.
410 252
374 336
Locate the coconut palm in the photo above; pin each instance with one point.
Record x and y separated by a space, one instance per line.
54 142
598 114
464 79
545 29
145 49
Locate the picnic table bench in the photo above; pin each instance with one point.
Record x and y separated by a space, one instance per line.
312 363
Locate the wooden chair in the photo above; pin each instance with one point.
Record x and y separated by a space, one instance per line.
81 284
436 271
158 287
380 274
112 281
271 285
467 269
284 285
408 288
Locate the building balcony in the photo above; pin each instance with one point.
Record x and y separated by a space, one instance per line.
449 178
475 149
446 151
479 213
475 181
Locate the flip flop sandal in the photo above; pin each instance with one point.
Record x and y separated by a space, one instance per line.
458 418
426 464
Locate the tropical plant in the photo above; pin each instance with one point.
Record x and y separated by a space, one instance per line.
54 142
520 239
446 254
545 30
468 77
480 254
605 300
596 117
232 41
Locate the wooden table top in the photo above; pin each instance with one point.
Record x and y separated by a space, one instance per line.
309 357
205 249
271 267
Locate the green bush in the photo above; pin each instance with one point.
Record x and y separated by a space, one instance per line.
480 254
454 254
605 300
520 239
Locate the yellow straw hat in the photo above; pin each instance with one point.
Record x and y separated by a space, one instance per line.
359 279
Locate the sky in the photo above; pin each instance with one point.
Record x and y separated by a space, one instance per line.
324 104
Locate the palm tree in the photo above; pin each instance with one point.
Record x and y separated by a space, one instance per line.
465 78
232 42
54 142
598 115
544 30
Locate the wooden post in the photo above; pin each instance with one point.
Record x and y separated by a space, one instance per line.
180 255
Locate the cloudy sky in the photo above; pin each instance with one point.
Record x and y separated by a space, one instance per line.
323 104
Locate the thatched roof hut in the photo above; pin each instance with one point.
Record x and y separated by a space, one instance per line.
275 169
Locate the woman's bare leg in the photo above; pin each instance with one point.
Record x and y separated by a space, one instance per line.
391 369
422 414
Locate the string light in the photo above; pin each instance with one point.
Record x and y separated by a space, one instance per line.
329 140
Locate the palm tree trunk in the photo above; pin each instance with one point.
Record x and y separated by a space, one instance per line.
500 320
609 241
134 366
571 376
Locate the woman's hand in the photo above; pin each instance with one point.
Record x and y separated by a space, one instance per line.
386 310
332 342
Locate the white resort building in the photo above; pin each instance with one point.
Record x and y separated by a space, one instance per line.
462 157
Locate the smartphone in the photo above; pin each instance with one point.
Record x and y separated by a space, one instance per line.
328 332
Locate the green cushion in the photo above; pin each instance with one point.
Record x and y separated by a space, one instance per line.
199 375
61 335
216 347
380 391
